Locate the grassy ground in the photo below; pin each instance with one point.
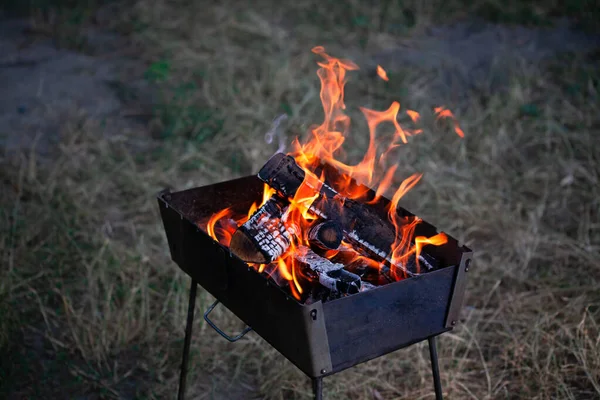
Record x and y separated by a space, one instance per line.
85 262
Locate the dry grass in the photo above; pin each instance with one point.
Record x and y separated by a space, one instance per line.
86 264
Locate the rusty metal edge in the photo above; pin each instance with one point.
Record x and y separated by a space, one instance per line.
458 290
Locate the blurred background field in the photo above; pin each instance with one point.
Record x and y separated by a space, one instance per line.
104 103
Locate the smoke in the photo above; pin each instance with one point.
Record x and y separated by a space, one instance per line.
274 131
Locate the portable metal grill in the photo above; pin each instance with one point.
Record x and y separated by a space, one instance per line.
321 338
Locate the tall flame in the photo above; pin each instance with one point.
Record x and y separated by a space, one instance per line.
325 147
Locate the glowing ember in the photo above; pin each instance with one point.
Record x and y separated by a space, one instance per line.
413 115
382 74
350 183
442 112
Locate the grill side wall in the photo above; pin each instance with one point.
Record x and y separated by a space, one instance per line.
364 327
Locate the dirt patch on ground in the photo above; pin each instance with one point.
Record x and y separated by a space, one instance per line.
477 55
43 86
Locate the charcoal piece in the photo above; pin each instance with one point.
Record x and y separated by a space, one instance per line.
363 263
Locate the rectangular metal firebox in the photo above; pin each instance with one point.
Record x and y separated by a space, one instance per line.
319 338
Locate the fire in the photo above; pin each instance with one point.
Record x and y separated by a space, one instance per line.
283 269
404 227
385 184
382 74
421 241
222 225
442 112
415 116
268 191
212 222
324 147
298 220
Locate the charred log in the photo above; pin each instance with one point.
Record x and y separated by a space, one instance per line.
283 174
263 237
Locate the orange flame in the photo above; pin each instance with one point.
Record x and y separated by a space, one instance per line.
252 210
325 147
283 269
442 112
421 241
268 191
210 226
404 228
382 74
415 116
385 184
223 234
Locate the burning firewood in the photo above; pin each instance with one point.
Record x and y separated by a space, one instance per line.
317 213
362 226
263 238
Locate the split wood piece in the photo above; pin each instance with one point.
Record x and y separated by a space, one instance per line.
263 238
333 276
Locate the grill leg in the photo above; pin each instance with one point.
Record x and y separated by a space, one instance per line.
435 369
188 338
317 384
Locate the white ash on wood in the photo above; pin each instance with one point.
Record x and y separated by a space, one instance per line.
331 275
264 237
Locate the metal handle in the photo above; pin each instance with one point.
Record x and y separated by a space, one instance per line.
220 332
